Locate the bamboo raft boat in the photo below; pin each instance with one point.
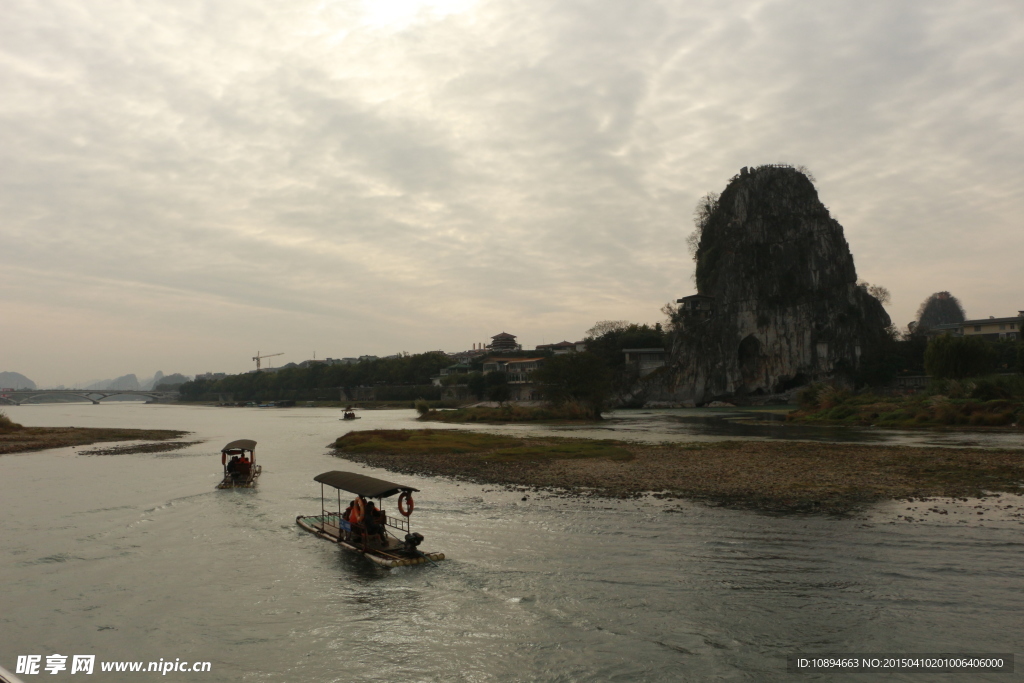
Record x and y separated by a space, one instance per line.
241 471
366 528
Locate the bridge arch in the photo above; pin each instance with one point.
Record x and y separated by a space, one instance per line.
26 399
94 396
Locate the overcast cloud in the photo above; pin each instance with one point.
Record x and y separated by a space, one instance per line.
185 183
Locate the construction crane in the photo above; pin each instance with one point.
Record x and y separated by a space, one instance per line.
258 357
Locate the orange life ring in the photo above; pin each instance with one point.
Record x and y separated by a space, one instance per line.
358 511
406 497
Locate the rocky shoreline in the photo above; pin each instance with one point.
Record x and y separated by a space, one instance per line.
773 476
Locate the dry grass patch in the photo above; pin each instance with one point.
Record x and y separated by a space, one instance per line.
420 441
475 446
43 438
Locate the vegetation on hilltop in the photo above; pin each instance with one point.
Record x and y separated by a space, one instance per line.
941 308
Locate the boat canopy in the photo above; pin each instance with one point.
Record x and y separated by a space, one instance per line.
361 485
242 444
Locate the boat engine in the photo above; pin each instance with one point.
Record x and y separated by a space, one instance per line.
413 540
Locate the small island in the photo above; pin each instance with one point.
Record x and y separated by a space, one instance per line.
776 476
14 438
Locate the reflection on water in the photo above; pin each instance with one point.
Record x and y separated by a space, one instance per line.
137 557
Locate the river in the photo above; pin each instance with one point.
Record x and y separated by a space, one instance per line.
138 558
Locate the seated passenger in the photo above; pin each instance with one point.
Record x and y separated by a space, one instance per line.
370 519
382 520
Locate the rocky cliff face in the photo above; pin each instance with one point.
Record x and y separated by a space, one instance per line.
780 304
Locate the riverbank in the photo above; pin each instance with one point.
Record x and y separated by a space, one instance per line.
765 475
28 439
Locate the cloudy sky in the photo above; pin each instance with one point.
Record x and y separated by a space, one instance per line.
183 183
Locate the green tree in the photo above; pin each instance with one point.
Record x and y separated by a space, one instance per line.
609 345
497 386
950 357
582 378
476 384
939 309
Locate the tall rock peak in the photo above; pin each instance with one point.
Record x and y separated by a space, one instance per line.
778 303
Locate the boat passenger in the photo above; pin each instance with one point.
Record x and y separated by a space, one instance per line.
382 519
370 517
347 516
233 464
374 522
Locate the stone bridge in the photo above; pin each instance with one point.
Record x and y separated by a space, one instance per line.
19 396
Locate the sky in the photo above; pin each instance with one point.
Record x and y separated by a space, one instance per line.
186 183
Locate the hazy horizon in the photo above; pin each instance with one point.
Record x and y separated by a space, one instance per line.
185 184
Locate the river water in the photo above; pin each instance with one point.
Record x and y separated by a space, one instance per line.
138 558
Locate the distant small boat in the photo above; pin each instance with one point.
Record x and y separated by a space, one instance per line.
349 414
374 537
239 461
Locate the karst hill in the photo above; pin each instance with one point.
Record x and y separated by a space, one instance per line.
778 304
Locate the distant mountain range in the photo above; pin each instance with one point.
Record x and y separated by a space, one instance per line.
15 380
132 383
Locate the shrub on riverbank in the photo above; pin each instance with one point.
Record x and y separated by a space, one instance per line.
6 425
979 402
572 412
